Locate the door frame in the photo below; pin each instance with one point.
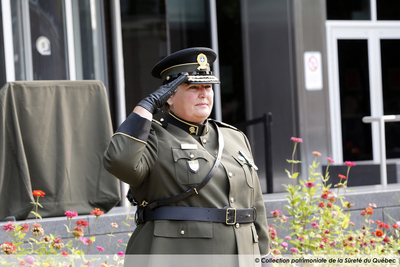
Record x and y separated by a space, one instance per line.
373 32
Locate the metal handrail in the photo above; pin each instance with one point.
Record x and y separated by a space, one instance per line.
382 121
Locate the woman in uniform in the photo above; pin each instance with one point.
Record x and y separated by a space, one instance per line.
193 179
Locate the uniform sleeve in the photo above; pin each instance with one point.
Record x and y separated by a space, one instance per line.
132 151
261 220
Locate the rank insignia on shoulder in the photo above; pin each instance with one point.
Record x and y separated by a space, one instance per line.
188 146
193 165
251 163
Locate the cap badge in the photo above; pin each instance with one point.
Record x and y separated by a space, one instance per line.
202 61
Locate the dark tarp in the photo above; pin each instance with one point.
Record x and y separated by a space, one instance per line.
52 138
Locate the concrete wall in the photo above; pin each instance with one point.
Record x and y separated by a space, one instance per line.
313 106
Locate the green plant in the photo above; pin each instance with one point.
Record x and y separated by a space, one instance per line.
319 222
50 250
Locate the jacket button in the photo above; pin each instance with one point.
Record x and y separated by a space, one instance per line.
232 199
237 225
230 175
191 156
182 232
204 141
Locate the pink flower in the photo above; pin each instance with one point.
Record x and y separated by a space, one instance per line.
315 225
330 160
349 163
284 218
329 205
120 241
351 223
372 205
310 184
284 244
294 250
276 213
334 214
301 239
71 214
65 254
288 237
10 226
316 153
297 140
100 248
321 245
84 240
22 263
321 205
114 225
121 254
25 227
30 260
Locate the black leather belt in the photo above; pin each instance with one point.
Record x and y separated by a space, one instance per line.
227 215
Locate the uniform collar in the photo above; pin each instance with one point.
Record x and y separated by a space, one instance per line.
189 127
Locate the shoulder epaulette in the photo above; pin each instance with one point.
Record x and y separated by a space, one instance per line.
223 124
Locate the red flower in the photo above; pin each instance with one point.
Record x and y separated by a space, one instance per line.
97 212
310 184
395 226
379 233
8 248
341 176
321 205
38 193
331 199
82 223
349 163
369 210
65 254
386 239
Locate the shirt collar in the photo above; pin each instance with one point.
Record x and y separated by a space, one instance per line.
189 127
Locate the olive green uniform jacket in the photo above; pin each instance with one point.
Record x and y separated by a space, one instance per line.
153 157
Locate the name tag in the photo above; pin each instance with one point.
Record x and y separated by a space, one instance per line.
188 146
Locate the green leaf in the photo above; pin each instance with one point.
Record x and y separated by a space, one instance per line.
36 214
126 224
40 205
295 175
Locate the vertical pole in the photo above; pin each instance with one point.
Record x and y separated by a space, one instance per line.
383 151
268 152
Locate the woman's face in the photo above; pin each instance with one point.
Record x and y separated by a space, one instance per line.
192 102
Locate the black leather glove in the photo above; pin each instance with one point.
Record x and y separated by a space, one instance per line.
157 99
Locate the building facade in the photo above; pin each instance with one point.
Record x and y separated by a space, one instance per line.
317 66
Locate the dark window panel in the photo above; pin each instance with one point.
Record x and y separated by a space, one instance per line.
348 10
354 99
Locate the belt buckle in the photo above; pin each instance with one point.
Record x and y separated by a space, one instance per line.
227 220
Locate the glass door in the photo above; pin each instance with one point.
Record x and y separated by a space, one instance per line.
364 80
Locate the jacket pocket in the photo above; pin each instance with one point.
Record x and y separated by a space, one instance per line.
191 166
183 229
247 170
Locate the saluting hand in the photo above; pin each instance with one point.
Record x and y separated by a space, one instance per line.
156 100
